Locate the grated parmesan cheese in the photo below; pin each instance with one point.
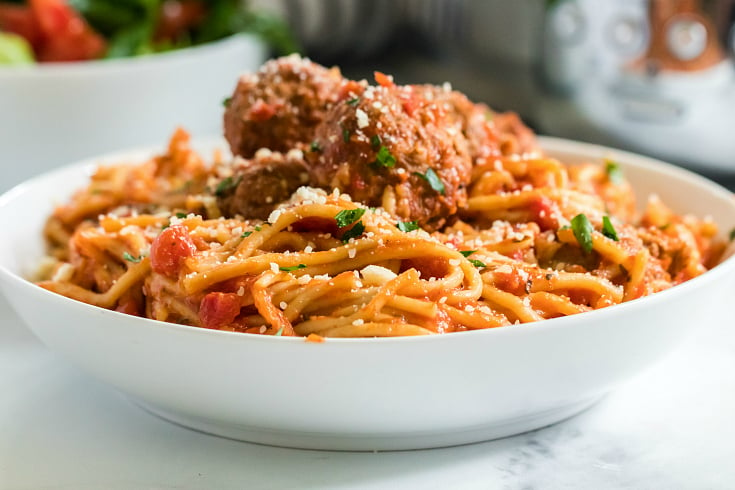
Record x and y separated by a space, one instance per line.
362 119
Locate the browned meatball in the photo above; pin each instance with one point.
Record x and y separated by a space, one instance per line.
280 106
473 120
514 136
390 146
258 185
489 134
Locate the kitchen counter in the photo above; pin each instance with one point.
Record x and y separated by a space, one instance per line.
669 428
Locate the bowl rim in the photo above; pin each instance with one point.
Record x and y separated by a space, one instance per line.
112 65
550 144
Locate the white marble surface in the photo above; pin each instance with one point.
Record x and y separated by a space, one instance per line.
670 428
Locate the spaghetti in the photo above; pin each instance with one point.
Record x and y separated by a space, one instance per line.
534 240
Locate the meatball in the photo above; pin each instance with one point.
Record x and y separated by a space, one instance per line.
472 119
280 106
489 134
390 146
256 186
514 136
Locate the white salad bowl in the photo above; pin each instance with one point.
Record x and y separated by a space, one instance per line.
53 113
369 394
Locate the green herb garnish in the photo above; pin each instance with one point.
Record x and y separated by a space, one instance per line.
348 216
375 142
293 268
582 229
354 232
346 135
315 146
132 259
258 228
181 215
226 101
406 226
226 186
353 101
614 172
246 234
608 229
477 263
384 158
467 253
433 180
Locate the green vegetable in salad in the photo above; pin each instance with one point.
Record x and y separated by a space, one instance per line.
14 50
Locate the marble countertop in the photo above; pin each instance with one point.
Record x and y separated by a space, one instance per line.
669 428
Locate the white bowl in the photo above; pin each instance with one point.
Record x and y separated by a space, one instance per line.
369 394
61 112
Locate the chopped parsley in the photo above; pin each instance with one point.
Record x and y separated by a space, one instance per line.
384 158
348 216
293 268
315 146
226 101
346 135
280 332
258 228
226 186
375 142
354 232
132 259
477 263
433 180
582 229
246 234
467 253
181 215
406 226
614 172
608 229
353 101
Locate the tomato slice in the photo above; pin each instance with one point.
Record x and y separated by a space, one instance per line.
217 310
19 19
169 250
66 35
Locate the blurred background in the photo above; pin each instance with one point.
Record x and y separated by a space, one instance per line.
652 76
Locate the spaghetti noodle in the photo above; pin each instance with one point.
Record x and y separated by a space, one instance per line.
534 240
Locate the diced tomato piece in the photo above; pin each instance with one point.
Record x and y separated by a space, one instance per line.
219 309
383 79
357 181
316 224
429 267
169 250
544 212
510 282
350 88
262 111
410 102
129 306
